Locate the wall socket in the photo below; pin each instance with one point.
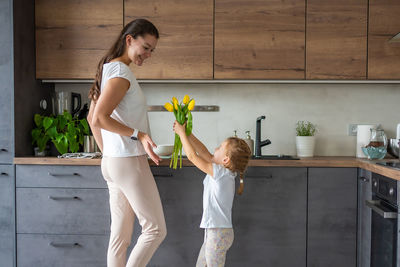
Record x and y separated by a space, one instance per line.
352 129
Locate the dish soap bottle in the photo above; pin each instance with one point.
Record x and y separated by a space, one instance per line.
250 142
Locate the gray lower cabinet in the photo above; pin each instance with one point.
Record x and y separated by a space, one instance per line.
332 217
270 219
62 216
284 217
61 250
6 82
364 218
7 215
181 195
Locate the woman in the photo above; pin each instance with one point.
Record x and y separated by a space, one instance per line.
119 122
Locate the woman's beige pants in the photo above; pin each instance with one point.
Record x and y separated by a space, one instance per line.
133 191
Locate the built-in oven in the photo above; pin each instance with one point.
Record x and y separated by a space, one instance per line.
384 222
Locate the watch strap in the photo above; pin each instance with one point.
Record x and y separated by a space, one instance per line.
134 136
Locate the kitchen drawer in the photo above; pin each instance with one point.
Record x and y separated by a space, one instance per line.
62 250
59 176
62 211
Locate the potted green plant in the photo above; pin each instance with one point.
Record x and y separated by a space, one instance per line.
64 131
305 139
40 139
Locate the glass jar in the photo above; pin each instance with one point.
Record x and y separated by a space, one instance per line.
378 138
376 148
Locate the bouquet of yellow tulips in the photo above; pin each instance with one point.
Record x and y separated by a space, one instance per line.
182 114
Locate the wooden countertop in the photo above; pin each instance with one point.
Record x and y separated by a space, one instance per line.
339 162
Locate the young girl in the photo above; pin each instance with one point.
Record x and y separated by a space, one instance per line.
229 159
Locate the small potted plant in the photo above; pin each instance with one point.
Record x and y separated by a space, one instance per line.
40 139
64 131
305 139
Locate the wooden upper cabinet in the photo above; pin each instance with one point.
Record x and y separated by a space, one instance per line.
336 39
185 47
259 39
384 23
72 36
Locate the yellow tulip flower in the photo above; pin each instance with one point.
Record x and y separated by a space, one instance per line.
186 99
191 104
182 115
169 107
176 102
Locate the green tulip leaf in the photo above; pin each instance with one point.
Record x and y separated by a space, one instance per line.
189 124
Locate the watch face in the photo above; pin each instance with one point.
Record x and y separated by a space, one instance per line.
133 138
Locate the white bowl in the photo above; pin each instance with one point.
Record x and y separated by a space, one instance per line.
164 150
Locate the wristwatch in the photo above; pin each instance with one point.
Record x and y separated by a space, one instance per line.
135 134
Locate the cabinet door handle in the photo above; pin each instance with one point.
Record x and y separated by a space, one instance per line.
3 150
258 177
4 174
364 179
375 206
64 198
163 175
64 245
63 174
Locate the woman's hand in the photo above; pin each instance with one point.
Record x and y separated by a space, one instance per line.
148 145
179 129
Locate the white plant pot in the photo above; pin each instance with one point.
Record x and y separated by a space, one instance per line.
305 146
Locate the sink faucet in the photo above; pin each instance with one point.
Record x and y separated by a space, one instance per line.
259 143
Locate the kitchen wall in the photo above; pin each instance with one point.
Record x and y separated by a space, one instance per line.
331 106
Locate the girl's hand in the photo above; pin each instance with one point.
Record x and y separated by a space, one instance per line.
179 129
148 145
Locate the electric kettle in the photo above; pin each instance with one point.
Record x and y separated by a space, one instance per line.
65 101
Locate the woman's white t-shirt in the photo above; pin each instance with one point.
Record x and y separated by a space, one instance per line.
131 111
218 195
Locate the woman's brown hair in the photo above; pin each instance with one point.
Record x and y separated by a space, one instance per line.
239 154
135 28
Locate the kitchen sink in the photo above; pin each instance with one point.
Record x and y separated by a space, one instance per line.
392 164
276 157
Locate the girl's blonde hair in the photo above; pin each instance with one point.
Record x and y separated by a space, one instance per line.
239 154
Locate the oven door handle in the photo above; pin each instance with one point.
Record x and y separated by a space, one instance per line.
375 206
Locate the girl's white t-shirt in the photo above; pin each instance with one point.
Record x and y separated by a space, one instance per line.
131 111
218 195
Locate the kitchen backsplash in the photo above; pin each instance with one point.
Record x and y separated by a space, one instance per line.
331 106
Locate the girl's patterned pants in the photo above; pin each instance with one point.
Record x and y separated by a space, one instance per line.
217 241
